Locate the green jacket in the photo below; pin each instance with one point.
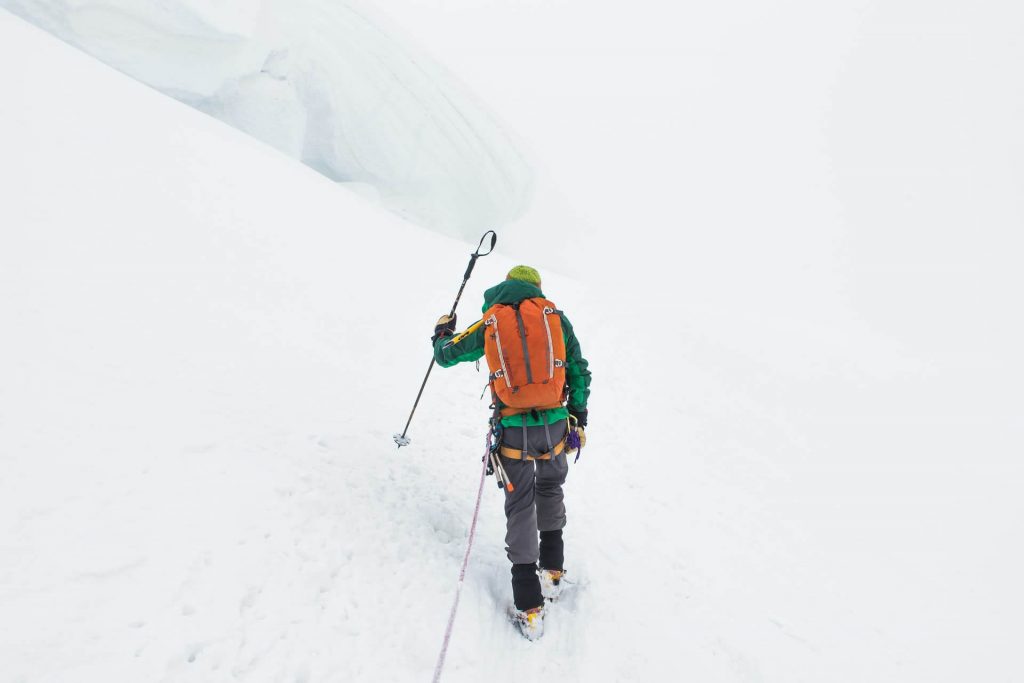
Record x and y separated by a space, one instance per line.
471 348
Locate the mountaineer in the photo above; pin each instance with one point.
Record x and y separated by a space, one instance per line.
539 384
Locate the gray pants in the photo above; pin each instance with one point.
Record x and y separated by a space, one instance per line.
537 503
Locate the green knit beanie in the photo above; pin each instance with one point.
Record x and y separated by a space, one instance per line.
526 274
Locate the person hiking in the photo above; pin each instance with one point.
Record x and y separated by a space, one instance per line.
540 383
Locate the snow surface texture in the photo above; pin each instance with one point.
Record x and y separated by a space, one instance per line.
323 81
804 453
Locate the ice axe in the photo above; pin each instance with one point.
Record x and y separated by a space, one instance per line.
402 439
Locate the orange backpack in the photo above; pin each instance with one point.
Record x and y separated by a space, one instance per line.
525 353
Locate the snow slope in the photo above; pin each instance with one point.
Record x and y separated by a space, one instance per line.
333 84
206 348
199 477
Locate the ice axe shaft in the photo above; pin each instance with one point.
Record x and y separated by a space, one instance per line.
402 439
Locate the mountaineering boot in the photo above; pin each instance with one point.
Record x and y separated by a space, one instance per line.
530 622
551 583
528 613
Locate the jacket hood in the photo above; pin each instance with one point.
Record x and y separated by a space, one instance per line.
510 292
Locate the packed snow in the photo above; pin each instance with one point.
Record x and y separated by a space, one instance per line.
334 84
798 303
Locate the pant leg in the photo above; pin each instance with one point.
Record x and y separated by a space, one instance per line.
521 539
537 490
550 498
536 504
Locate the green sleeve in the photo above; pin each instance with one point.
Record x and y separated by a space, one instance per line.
468 349
577 373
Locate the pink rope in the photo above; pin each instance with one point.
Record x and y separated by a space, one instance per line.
465 562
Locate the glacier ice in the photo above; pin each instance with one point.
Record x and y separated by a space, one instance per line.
331 83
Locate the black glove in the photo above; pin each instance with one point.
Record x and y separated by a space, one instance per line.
580 415
445 327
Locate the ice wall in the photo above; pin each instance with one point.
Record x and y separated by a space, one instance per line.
330 83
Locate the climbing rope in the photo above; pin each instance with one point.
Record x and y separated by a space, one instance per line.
465 562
